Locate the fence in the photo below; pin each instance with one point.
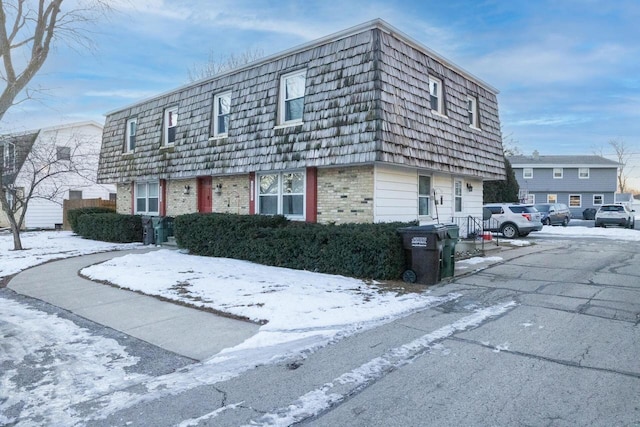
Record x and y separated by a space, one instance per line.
473 229
67 205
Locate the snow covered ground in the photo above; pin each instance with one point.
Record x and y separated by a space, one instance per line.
301 311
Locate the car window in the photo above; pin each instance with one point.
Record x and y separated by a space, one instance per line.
518 209
613 208
542 208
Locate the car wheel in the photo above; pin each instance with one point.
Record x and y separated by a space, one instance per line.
547 221
509 231
565 221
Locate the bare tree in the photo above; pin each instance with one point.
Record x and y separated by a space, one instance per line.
217 64
28 30
510 145
622 155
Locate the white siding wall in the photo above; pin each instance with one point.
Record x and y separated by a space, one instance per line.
396 195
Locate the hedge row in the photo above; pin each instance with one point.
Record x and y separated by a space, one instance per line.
110 227
74 214
358 250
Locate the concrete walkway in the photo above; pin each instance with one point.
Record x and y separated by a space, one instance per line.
185 331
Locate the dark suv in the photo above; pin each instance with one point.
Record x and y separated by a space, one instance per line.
554 213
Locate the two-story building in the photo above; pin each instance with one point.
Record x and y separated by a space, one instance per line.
579 182
365 125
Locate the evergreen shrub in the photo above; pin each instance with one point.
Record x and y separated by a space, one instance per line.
358 250
74 214
110 227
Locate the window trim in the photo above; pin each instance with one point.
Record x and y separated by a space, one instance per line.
282 100
579 196
424 196
561 175
127 138
439 95
280 194
601 199
581 170
216 115
166 127
524 173
135 198
472 110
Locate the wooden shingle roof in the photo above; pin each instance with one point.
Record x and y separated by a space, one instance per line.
366 100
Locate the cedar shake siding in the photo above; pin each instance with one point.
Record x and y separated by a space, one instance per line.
366 101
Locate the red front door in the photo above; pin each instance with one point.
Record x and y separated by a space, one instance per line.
204 194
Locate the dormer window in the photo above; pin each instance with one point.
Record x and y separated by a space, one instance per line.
221 111
170 125
291 106
472 111
130 137
435 92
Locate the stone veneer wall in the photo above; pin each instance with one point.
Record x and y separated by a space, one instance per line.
345 194
179 203
123 199
234 197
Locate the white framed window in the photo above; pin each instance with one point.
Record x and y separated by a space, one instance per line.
558 173
552 198
472 111
147 198
130 135
583 173
527 173
457 196
436 97
75 194
63 153
282 193
598 199
221 111
8 157
170 125
575 200
291 105
424 195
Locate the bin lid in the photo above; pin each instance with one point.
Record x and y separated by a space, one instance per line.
437 229
453 231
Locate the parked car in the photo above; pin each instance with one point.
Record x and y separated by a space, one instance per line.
615 214
513 220
554 213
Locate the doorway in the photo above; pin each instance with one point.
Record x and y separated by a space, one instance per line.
204 194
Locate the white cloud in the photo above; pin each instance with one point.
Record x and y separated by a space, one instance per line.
121 93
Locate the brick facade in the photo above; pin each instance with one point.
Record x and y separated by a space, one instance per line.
179 203
234 194
123 199
345 194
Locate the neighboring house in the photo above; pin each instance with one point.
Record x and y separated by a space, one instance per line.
366 125
44 152
624 199
580 182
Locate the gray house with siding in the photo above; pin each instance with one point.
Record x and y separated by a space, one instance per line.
579 182
365 125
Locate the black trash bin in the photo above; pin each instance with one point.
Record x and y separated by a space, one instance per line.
589 213
423 252
148 237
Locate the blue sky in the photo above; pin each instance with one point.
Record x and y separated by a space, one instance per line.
568 71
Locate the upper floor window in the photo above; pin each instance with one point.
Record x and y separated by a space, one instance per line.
63 153
221 110
130 135
170 124
291 105
558 173
472 111
282 194
424 194
583 173
8 157
147 198
527 173
435 92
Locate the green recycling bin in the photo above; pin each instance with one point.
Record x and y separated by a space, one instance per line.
449 250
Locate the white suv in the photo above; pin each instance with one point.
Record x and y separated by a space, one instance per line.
513 220
615 215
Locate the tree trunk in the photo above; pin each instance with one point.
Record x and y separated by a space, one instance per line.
15 230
